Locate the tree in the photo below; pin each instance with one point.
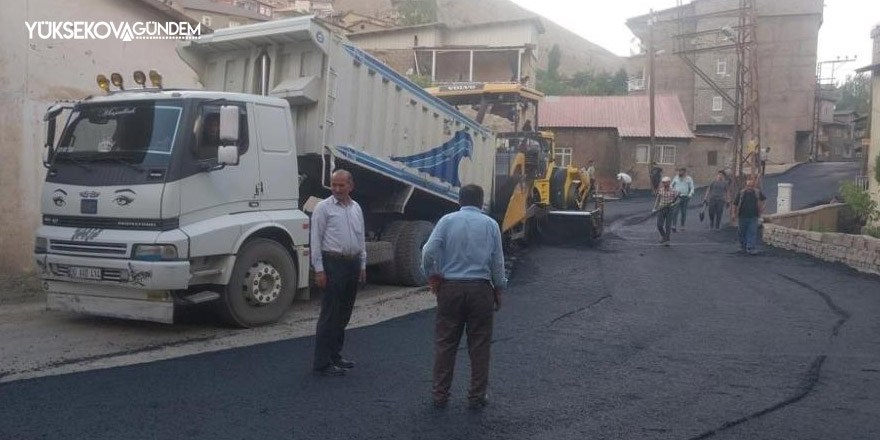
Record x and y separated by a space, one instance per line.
583 83
856 94
415 12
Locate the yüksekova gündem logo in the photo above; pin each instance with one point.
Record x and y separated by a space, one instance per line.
102 30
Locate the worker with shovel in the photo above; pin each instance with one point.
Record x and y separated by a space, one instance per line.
667 199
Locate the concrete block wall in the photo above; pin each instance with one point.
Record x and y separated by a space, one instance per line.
860 252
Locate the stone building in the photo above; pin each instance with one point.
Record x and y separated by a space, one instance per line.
787 37
614 131
34 73
218 14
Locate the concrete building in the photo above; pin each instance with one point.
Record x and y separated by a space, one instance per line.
578 54
218 14
488 52
614 131
787 36
34 73
873 156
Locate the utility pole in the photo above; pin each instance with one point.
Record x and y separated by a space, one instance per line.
817 103
651 145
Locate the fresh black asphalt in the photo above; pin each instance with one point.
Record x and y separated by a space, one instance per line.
625 340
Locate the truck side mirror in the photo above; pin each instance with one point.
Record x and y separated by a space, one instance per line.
227 155
229 125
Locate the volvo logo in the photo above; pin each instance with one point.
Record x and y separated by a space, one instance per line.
89 194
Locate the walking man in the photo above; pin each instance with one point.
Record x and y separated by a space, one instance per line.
625 181
663 206
749 205
339 257
717 198
464 262
684 185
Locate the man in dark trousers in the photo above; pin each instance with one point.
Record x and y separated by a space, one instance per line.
339 257
749 205
464 262
656 174
664 205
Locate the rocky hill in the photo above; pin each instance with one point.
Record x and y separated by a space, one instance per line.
578 54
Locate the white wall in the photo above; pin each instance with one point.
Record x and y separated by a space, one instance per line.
35 73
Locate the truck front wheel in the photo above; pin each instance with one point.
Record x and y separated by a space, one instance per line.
262 285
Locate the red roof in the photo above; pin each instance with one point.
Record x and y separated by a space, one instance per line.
630 115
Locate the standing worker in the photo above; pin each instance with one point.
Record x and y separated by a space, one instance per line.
749 205
656 174
663 206
590 171
464 262
684 185
717 197
339 257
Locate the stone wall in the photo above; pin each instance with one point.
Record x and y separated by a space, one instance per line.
820 218
860 252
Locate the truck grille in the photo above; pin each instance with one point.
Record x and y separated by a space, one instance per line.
90 248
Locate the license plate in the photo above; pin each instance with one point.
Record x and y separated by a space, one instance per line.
86 273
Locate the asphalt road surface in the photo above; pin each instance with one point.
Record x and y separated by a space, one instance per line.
626 340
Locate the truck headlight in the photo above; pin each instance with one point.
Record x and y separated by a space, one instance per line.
41 245
154 252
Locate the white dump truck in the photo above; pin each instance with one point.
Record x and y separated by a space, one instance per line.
157 198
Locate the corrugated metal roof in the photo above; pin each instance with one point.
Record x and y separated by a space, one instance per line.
630 115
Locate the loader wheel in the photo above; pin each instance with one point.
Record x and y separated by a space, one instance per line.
408 252
262 285
387 272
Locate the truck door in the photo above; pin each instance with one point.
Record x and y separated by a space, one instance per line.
215 192
279 181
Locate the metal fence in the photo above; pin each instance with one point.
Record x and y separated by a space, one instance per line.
862 182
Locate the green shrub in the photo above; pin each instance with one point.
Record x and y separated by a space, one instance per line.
873 231
864 208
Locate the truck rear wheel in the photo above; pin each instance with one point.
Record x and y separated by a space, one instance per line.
262 285
408 252
387 272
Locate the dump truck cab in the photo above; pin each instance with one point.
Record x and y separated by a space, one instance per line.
151 193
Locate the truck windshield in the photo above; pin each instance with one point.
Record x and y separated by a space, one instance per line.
120 131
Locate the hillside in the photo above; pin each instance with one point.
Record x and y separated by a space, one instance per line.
577 53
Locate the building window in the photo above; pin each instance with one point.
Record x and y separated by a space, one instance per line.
563 156
721 67
716 104
207 21
233 23
712 160
665 154
641 154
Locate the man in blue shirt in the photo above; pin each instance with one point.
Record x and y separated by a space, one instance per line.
464 262
684 186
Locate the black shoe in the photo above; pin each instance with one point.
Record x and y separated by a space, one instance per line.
330 371
344 363
441 403
478 403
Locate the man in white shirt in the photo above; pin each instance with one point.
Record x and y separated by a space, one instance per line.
339 257
684 186
625 181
